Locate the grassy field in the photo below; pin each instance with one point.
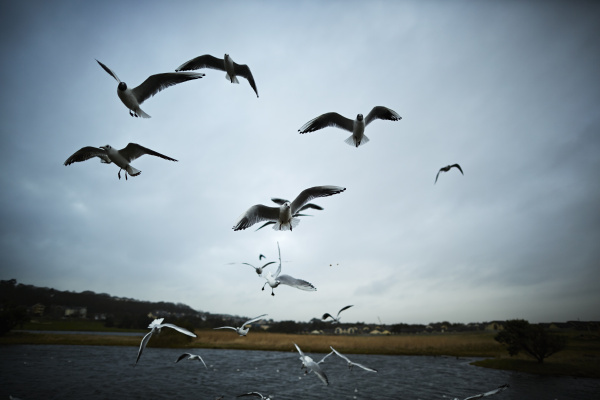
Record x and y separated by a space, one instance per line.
580 358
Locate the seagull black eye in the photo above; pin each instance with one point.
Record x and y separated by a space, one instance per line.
122 86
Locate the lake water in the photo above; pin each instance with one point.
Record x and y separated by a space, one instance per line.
108 372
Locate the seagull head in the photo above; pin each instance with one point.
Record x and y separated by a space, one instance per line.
122 86
286 205
107 147
359 117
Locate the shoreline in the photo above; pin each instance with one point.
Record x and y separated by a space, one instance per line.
580 359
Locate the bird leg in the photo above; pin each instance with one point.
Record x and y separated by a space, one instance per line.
272 294
125 174
131 113
119 173
264 285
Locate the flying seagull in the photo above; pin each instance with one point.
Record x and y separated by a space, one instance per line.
224 64
276 280
190 356
446 169
241 331
259 270
284 215
357 126
156 326
490 393
309 365
254 394
133 98
122 158
337 318
351 363
297 214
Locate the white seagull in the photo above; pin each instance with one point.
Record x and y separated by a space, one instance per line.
337 318
284 215
133 98
276 280
351 363
224 64
446 169
259 270
490 393
190 356
357 126
254 394
308 365
122 158
279 201
241 331
156 326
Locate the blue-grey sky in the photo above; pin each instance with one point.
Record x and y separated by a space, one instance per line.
509 90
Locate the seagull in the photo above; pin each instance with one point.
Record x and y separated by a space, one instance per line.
121 158
446 169
337 318
309 365
241 331
276 280
490 393
254 394
357 126
156 326
261 256
133 98
284 215
190 356
350 363
224 64
259 270
279 201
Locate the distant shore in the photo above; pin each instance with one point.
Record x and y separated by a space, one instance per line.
581 358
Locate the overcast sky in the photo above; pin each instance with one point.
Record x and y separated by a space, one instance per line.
509 90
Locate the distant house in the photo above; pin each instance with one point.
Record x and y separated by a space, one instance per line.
494 326
375 332
38 309
76 312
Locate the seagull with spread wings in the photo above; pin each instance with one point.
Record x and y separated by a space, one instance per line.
356 126
337 318
284 217
499 389
133 98
309 364
155 327
122 158
254 394
277 279
351 363
226 64
190 356
241 331
446 169
279 201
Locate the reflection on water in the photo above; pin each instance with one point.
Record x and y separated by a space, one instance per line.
102 372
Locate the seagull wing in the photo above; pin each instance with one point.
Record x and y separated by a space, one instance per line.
265 224
317 370
278 268
308 194
459 168
253 320
254 214
345 308
297 283
205 61
110 71
178 329
490 393
365 368
327 315
183 356
227 327
323 359
200 358
261 256
244 70
328 119
278 200
310 205
299 351
158 82
341 355
134 150
254 394
436 177
380 112
85 153
143 345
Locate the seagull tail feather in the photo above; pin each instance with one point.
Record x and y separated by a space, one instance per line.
234 80
352 141
133 171
286 227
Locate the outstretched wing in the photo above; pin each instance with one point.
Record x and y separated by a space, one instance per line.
345 308
205 61
327 315
459 168
158 82
85 153
143 345
254 214
311 193
299 351
365 368
183 356
226 327
134 150
297 283
178 329
110 71
278 200
490 393
380 112
310 205
323 359
244 70
253 320
340 355
436 177
328 119
253 394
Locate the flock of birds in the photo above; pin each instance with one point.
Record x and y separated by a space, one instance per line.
283 217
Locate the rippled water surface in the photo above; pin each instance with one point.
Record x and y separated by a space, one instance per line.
107 372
